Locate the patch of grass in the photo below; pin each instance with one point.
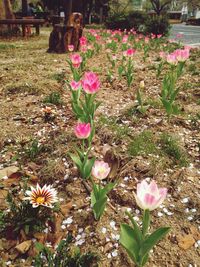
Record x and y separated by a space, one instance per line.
22 216
52 169
22 88
142 144
6 46
54 98
59 77
34 149
193 69
172 148
118 129
154 102
65 256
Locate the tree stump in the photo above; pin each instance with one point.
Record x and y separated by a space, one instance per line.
64 35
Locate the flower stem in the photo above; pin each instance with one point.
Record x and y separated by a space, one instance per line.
145 222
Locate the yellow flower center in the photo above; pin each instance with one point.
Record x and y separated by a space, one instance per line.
40 200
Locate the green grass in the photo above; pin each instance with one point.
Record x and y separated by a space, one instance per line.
59 77
171 147
119 130
166 146
54 98
6 46
142 144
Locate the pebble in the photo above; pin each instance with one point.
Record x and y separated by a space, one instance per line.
190 218
114 253
103 230
68 221
112 224
185 200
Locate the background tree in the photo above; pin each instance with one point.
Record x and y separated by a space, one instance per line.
160 6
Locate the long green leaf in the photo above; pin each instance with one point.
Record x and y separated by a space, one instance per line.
129 242
99 207
152 240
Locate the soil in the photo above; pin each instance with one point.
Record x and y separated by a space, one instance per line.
28 74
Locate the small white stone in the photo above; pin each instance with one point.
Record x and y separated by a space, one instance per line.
190 218
160 214
109 256
68 221
63 227
80 230
185 200
193 210
112 224
103 230
114 253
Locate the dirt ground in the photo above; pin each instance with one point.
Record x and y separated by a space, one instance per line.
136 143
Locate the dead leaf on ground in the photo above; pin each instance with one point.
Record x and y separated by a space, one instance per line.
8 171
24 246
65 208
185 242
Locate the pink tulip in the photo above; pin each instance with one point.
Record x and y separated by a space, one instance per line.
162 55
100 170
159 36
90 83
76 60
149 196
182 54
129 53
75 85
171 59
83 40
125 39
71 48
82 130
146 40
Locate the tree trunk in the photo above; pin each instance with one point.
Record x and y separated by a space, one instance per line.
24 7
68 9
8 10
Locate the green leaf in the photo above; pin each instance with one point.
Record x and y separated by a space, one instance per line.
87 168
137 232
152 240
98 207
39 246
129 242
77 161
106 189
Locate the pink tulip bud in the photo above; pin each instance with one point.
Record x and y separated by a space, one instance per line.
171 59
82 130
149 196
100 170
71 48
76 60
129 53
75 85
83 40
90 83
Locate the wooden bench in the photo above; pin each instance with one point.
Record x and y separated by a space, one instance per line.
24 22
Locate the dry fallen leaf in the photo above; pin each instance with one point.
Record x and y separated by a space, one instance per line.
8 171
185 242
24 246
65 208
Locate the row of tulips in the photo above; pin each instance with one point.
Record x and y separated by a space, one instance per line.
135 238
